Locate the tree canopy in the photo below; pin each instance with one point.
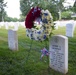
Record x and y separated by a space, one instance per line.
2 11
74 7
54 6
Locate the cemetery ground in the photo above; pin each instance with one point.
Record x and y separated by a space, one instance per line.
27 61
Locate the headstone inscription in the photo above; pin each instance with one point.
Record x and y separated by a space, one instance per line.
58 56
12 40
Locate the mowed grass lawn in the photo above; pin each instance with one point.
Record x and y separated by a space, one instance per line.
27 61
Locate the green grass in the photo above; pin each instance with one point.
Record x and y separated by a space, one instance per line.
26 61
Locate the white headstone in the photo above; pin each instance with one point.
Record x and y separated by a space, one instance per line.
1 24
22 24
59 53
6 25
56 24
16 24
15 27
70 29
12 40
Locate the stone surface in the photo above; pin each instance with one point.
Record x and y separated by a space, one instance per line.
70 29
6 25
59 53
16 26
12 40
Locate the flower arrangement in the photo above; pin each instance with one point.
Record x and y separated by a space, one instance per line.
44 20
44 52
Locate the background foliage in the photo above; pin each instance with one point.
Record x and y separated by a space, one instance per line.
54 6
2 11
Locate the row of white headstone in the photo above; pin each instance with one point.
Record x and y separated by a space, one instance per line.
12 25
58 50
70 27
15 25
63 23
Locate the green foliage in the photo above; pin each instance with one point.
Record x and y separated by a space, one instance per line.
52 5
74 7
2 11
22 18
66 15
14 62
9 19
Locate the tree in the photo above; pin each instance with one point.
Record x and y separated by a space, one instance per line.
22 18
2 12
59 7
9 19
74 7
54 6
66 14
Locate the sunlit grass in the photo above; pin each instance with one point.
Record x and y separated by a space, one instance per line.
27 61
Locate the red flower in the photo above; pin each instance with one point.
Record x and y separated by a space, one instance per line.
34 13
